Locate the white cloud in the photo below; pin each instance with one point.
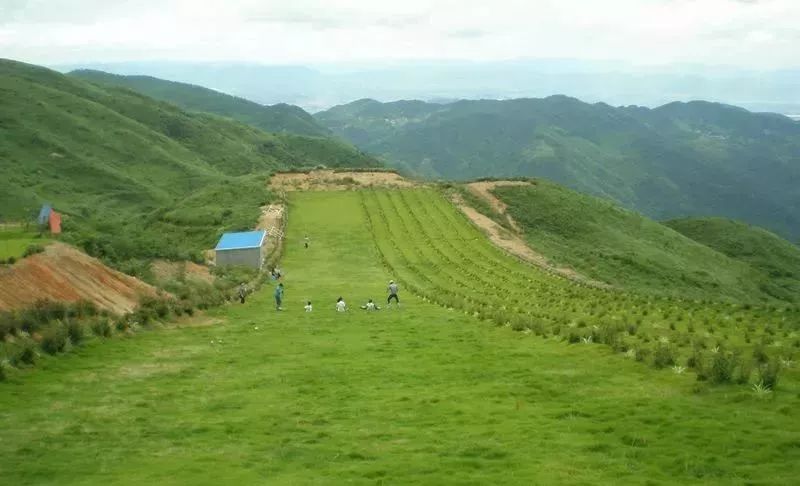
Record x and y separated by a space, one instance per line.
737 32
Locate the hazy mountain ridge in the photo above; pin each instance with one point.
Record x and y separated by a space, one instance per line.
319 87
278 118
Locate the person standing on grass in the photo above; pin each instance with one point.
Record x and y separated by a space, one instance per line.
306 241
392 294
242 292
308 307
279 296
340 305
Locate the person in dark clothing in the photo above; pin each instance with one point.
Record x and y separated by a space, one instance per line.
279 296
242 292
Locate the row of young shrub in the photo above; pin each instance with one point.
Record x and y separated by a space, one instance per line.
51 327
717 365
546 315
43 312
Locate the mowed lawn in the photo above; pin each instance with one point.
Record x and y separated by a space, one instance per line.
416 395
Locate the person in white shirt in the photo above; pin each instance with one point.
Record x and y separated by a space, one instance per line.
308 307
370 306
340 305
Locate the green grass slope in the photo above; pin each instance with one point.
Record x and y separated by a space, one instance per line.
682 159
606 242
278 118
423 395
777 259
137 178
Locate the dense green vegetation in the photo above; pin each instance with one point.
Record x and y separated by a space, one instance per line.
423 394
678 160
52 328
276 118
777 260
136 178
608 243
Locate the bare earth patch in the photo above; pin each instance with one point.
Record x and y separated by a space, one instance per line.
512 242
329 180
165 271
62 273
483 190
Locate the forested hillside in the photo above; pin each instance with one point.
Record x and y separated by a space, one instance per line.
678 160
137 178
279 118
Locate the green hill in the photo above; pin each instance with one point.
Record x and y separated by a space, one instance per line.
776 258
280 118
135 177
596 387
606 242
680 159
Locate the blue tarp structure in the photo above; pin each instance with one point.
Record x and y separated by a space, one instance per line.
44 214
238 241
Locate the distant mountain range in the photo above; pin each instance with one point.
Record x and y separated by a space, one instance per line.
681 159
677 160
320 87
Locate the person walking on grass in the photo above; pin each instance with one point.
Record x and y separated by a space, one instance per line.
392 294
242 292
308 307
306 241
279 296
340 305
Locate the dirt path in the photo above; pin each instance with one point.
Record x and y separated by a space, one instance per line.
63 273
483 190
512 242
271 216
273 220
329 180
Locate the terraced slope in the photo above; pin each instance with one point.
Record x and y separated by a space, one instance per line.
421 395
429 246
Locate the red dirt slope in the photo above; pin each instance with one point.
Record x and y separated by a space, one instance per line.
63 273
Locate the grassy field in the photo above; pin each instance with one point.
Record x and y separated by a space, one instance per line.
422 394
14 240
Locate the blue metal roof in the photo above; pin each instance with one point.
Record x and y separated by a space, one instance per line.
236 241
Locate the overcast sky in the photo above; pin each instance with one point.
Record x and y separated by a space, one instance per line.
746 33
